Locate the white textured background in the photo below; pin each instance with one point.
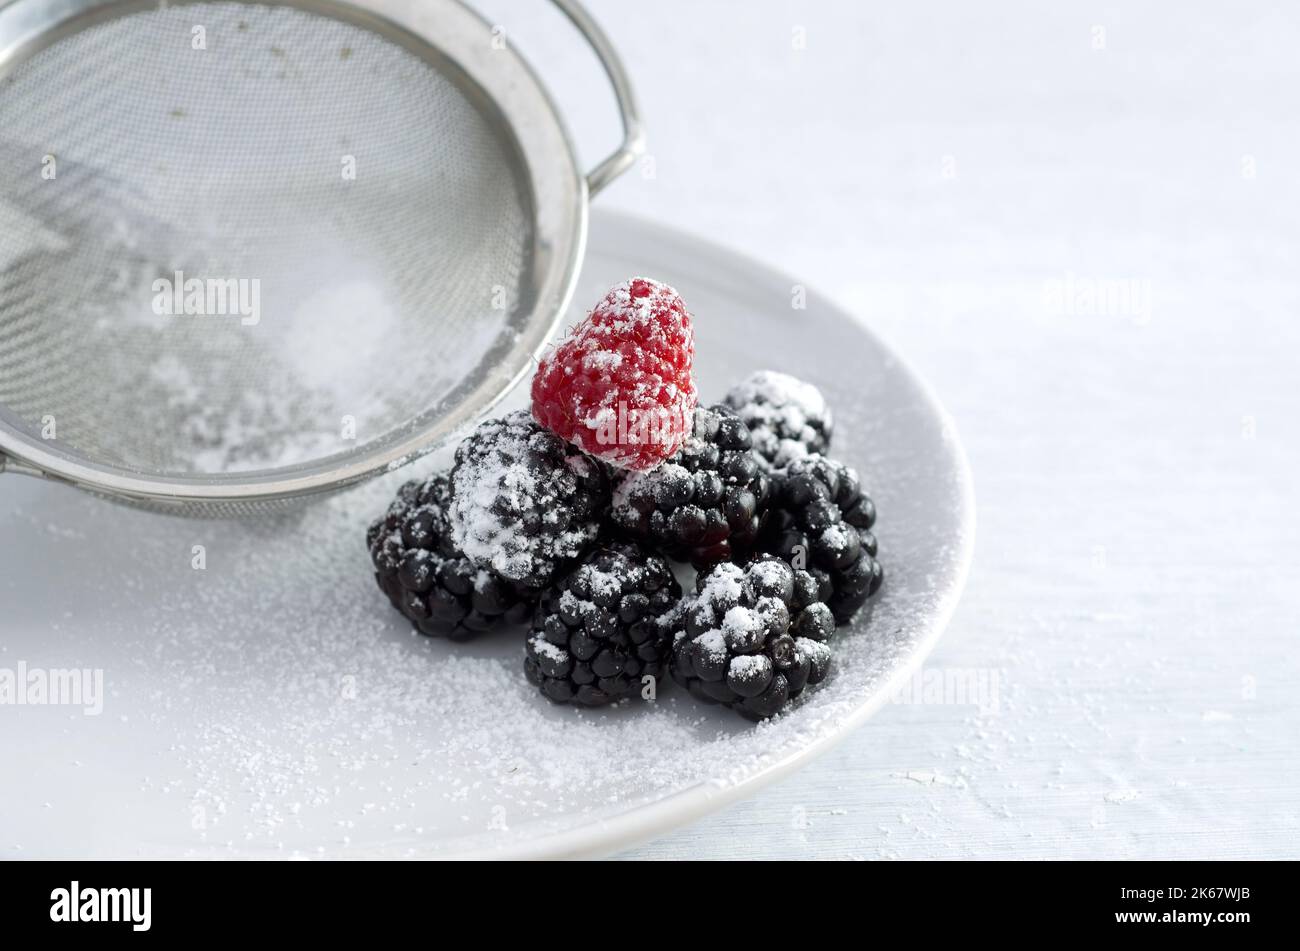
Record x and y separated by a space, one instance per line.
935 167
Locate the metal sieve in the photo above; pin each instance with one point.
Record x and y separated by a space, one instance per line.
254 252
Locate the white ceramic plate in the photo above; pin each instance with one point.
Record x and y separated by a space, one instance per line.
271 703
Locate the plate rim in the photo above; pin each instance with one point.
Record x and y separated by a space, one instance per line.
643 823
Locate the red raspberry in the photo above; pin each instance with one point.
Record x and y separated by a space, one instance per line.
620 387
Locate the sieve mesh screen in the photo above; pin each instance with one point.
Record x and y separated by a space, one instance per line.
375 295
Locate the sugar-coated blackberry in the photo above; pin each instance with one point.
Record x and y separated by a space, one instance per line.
435 586
524 502
753 638
706 503
604 627
821 517
787 418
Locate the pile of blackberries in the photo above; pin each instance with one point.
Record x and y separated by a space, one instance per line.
527 530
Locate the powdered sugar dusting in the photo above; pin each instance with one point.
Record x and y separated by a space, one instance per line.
549 650
787 417
747 664
713 643
724 585
741 622
767 572
604 584
511 507
811 649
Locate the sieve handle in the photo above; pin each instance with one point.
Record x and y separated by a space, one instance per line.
633 135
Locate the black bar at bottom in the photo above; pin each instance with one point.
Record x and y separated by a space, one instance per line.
87 900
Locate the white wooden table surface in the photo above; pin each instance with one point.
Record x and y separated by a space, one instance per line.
965 176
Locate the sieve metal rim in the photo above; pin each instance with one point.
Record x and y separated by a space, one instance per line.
529 114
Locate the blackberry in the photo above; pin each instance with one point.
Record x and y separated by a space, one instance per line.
821 517
706 503
435 586
604 627
523 501
753 638
787 418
